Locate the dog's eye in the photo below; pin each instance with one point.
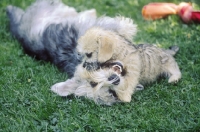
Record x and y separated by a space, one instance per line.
88 55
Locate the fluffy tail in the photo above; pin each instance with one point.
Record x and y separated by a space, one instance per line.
122 25
172 50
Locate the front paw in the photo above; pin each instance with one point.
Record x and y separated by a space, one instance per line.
114 79
65 88
139 87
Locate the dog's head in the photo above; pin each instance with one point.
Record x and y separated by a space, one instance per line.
97 46
97 85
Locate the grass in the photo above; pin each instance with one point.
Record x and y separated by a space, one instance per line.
27 104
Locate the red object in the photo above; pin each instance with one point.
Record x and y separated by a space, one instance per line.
195 16
154 11
185 11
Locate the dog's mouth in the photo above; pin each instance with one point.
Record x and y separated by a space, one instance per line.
116 66
118 69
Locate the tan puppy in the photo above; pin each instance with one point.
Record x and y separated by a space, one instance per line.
95 85
142 63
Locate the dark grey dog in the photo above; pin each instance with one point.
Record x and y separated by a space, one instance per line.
48 30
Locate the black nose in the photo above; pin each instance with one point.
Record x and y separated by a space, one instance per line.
90 66
84 64
89 55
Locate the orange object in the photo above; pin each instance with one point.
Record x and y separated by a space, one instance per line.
155 11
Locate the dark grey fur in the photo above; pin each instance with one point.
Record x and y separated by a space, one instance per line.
57 42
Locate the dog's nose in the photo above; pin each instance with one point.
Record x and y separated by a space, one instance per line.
84 64
90 66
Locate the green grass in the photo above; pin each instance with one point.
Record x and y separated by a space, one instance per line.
27 104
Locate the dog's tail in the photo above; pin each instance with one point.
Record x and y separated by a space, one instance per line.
14 14
127 27
122 25
172 50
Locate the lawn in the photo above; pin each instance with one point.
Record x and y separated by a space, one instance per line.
27 104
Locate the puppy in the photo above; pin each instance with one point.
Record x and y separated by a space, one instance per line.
99 85
142 63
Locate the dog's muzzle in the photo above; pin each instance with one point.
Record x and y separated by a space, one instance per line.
91 66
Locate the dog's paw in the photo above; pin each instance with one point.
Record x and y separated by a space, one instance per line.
139 87
64 88
60 89
174 79
114 79
174 48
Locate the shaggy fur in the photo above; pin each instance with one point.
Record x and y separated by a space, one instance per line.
95 85
99 85
142 63
49 30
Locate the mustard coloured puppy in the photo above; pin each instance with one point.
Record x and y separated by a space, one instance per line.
141 63
97 85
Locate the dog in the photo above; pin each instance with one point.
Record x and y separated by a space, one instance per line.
49 30
101 85
142 63
97 85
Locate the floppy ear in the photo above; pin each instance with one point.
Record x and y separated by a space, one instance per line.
105 48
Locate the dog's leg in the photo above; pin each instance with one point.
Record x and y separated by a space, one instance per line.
66 88
88 14
171 69
139 87
14 14
124 86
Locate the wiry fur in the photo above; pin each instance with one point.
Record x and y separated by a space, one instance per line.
142 63
81 85
97 85
49 30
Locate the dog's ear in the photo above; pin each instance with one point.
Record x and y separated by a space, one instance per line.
105 48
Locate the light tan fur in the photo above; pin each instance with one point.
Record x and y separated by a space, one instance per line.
143 63
80 85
